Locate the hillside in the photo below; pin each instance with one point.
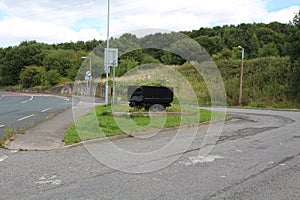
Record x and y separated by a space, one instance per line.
272 64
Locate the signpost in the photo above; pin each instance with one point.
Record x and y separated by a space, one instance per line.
111 60
88 78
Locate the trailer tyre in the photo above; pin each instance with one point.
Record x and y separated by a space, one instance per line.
157 108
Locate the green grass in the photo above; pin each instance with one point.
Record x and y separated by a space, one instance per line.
10 133
100 122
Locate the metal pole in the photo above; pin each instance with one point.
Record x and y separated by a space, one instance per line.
87 87
90 88
114 85
106 61
241 77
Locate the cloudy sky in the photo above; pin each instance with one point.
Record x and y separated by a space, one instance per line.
55 21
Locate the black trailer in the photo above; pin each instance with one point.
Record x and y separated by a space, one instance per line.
154 97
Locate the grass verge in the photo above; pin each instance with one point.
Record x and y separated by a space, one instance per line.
9 134
105 121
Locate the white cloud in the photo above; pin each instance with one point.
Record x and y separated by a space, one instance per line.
284 15
71 20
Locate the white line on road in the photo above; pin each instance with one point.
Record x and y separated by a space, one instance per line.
3 158
25 117
27 100
46 109
1 126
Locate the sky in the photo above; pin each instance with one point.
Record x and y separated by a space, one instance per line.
57 21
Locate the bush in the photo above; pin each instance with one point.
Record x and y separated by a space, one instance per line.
32 76
52 77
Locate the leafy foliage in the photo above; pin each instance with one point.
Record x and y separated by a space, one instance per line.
293 50
52 77
272 63
32 76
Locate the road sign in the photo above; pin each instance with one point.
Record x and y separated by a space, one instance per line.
88 76
111 57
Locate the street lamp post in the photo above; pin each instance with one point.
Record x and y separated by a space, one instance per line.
241 77
89 81
107 47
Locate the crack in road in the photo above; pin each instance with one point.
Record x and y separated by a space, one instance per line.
244 133
236 183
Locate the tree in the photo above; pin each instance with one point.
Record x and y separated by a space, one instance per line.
225 54
52 77
125 65
62 61
149 59
15 58
32 76
167 58
212 44
269 49
293 49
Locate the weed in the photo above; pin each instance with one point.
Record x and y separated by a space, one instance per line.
48 117
10 132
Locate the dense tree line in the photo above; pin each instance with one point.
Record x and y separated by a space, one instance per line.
54 63
37 64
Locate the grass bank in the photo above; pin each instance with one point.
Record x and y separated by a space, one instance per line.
105 121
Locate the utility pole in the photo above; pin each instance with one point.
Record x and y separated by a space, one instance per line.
241 77
106 59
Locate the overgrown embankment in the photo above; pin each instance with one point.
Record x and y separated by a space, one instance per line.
266 82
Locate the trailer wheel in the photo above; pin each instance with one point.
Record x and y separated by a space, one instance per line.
157 108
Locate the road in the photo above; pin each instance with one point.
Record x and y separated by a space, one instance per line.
20 110
257 156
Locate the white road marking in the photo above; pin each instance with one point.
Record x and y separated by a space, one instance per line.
3 158
51 180
45 110
2 126
26 101
201 159
25 117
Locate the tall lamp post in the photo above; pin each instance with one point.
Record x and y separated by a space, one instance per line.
90 73
106 59
242 72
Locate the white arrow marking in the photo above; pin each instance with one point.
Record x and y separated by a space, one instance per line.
25 117
27 100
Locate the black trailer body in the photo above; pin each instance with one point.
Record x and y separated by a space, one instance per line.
148 96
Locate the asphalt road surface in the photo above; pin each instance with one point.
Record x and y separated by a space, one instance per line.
257 156
20 110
